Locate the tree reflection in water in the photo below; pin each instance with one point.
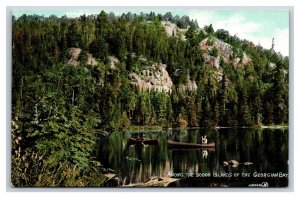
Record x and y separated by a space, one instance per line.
267 149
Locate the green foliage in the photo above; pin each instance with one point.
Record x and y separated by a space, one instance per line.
209 29
213 52
57 132
210 40
99 49
73 36
222 35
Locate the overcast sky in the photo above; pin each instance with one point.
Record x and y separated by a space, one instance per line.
255 24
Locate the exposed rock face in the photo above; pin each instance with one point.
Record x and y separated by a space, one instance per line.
213 61
74 53
113 61
272 65
91 60
224 50
172 29
190 86
238 62
154 78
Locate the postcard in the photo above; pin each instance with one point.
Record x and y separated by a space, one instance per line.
150 97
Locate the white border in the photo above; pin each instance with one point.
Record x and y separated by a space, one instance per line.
3 80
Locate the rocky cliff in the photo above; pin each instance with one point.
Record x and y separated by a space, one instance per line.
74 54
224 50
189 86
154 77
172 29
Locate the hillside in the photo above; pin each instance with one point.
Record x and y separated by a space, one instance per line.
152 55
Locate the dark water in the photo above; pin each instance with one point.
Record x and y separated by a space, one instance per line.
267 149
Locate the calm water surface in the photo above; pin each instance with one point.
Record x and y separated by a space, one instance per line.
267 149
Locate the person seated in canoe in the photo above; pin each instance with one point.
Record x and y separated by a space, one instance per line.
204 139
142 139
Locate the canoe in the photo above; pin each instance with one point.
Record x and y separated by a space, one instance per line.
189 145
145 141
174 148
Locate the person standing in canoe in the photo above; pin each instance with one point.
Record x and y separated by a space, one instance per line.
204 139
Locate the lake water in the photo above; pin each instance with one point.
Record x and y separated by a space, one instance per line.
267 149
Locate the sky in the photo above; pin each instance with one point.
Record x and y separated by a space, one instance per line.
259 25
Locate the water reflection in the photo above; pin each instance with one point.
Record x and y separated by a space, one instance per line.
267 149
204 154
